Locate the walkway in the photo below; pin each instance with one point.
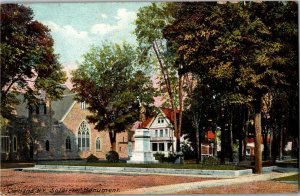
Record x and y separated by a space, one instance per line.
168 189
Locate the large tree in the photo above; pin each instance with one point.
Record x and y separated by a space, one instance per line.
28 62
240 45
112 84
150 22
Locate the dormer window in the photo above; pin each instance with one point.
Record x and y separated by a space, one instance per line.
83 105
160 120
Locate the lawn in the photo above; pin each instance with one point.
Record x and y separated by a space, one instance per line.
16 165
160 165
288 178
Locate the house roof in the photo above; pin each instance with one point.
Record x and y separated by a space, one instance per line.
210 135
169 113
146 123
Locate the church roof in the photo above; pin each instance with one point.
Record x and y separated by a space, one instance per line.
60 108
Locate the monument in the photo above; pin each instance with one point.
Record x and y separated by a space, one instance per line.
142 152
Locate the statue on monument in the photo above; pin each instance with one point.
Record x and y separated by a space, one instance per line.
142 113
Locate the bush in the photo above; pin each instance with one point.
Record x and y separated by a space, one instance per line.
159 156
112 156
92 159
210 161
171 158
187 151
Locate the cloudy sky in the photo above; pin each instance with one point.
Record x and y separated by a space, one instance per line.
77 26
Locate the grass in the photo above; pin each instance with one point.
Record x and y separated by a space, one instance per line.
16 165
160 165
288 178
293 164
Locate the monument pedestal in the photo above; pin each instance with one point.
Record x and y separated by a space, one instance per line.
142 152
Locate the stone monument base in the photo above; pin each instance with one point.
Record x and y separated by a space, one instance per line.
142 157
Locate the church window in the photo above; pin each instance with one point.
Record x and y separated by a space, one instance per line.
98 146
83 105
83 137
68 143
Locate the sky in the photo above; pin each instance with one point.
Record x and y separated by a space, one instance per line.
76 26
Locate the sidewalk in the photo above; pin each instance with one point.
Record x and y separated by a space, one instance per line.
169 189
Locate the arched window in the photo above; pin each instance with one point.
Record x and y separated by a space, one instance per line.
98 147
68 143
47 145
83 136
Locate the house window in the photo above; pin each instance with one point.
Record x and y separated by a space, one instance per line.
160 120
98 147
161 133
83 137
68 143
154 146
156 133
15 144
83 105
4 144
161 147
166 133
169 146
47 145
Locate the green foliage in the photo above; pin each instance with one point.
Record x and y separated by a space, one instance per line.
161 165
26 57
92 159
210 161
110 81
187 151
170 158
288 178
112 156
159 156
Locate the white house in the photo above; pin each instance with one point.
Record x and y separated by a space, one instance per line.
162 137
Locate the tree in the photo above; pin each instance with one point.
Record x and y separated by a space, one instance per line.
150 22
110 81
239 46
28 63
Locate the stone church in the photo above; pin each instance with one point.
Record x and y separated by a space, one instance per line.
56 130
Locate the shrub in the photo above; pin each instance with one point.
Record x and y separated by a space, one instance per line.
159 156
112 156
210 161
92 159
187 151
171 158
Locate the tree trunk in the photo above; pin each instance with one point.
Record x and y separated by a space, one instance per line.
197 146
223 134
165 73
257 123
112 138
180 81
270 145
265 141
